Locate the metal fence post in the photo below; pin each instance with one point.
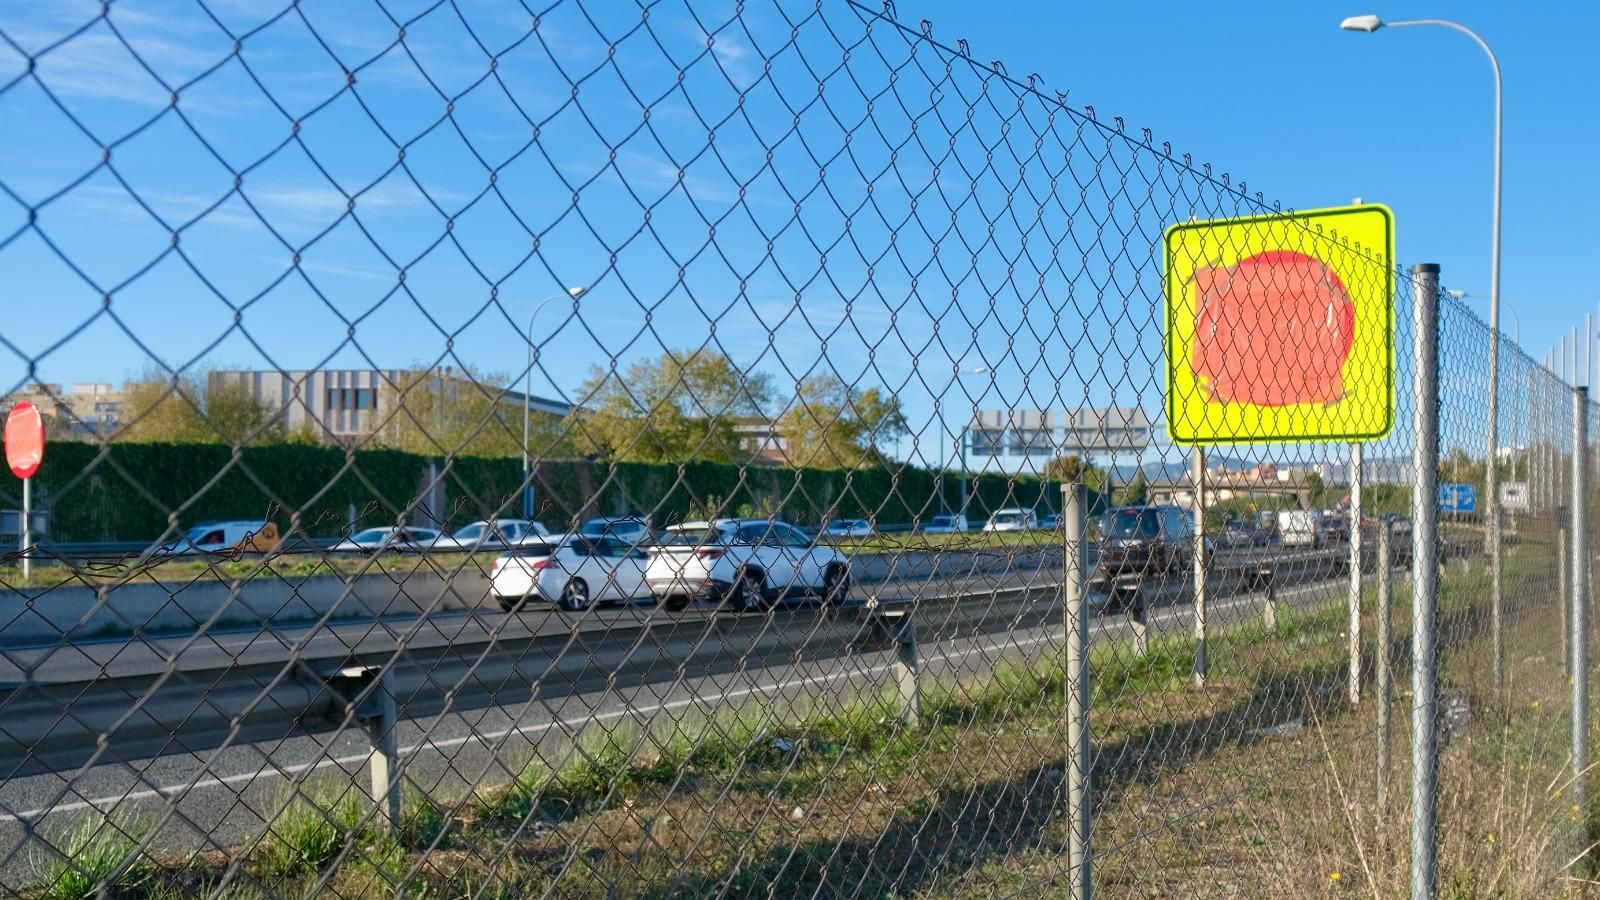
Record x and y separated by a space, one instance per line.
1355 574
1078 675
1563 610
1200 565
1425 583
1383 688
1579 582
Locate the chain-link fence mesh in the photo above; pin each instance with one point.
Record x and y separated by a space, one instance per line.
600 450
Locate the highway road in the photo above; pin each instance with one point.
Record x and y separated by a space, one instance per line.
636 665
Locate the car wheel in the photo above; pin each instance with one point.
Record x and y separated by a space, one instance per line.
835 586
575 596
748 592
511 604
676 604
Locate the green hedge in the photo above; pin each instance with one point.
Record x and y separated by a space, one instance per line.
125 492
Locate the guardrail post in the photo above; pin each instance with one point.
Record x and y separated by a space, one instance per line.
895 630
1383 688
1078 675
907 670
1269 606
1200 566
1138 616
369 690
1425 583
1579 581
1355 574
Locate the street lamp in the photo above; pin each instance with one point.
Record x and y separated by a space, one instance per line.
1424 861
571 293
1373 23
1516 320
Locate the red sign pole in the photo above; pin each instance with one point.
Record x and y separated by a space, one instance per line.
27 527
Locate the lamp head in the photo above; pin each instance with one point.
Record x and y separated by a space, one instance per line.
1362 23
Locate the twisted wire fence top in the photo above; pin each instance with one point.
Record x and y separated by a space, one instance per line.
588 449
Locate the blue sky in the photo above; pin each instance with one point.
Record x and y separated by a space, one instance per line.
876 270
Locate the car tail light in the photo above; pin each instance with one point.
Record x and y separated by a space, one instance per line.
708 554
548 562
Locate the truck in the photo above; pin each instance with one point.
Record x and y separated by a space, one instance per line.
1300 528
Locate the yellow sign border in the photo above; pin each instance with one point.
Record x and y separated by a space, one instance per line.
1313 221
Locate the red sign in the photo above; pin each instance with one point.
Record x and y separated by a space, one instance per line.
24 439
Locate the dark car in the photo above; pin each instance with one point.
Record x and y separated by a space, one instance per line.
1145 540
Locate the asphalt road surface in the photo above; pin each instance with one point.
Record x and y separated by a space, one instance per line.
220 798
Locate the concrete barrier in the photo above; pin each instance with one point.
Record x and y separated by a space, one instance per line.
78 612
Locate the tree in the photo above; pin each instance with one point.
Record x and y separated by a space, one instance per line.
440 413
1071 467
193 408
680 405
1138 490
832 425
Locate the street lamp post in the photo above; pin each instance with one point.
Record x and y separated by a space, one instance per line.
571 293
1369 24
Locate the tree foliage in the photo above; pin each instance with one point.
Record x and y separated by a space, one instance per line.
679 406
192 408
833 425
441 413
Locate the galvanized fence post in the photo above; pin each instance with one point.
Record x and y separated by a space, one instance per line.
1078 675
1383 688
1425 583
1201 563
1579 583
1355 574
1563 609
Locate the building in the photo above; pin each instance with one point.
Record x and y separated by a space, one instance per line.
346 405
759 436
84 411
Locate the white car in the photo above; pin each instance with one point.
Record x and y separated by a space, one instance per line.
745 563
848 528
945 525
571 570
223 537
633 529
389 538
1011 520
487 535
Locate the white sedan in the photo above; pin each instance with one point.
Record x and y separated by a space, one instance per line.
403 538
848 528
572 571
491 535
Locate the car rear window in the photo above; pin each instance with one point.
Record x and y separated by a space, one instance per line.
1133 523
691 537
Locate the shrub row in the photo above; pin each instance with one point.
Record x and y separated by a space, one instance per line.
126 491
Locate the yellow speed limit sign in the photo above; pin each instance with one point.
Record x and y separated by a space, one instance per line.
1281 327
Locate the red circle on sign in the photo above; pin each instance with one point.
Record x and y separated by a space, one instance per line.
24 439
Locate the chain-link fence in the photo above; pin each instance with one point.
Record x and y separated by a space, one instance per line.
600 450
